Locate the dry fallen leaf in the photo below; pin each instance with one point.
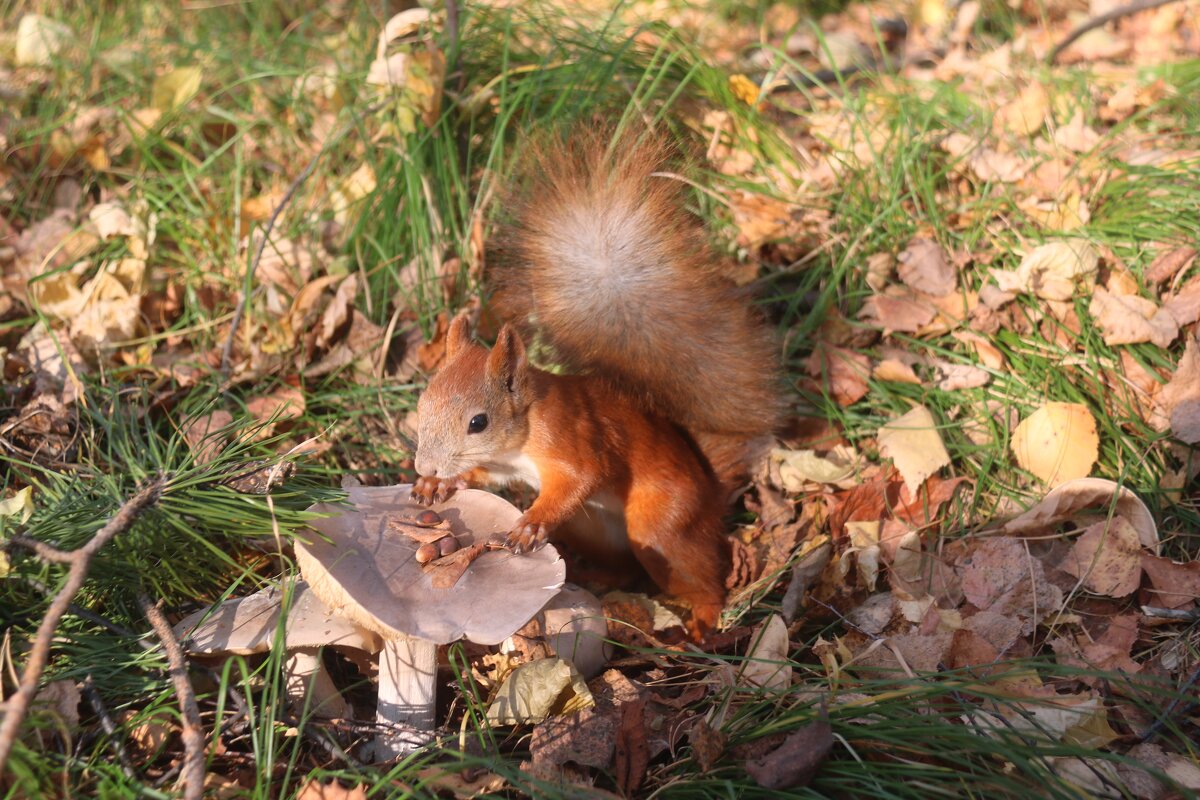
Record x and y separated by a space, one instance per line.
925 268
1073 498
1024 115
843 372
891 369
1057 443
1180 397
915 446
1054 271
538 689
795 762
767 665
1173 585
1129 319
1107 558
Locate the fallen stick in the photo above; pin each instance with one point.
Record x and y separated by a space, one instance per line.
1101 20
193 732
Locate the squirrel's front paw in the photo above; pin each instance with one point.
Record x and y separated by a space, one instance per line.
427 491
527 535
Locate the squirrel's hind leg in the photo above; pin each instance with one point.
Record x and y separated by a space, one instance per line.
676 532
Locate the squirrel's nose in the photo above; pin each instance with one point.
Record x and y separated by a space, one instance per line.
424 466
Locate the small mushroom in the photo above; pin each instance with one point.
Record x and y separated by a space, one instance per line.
249 625
576 630
368 572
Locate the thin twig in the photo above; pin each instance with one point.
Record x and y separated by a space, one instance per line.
17 706
193 731
1184 614
1101 20
106 723
252 267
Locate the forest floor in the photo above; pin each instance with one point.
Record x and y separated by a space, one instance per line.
232 234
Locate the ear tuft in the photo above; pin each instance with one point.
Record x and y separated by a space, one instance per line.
507 363
458 337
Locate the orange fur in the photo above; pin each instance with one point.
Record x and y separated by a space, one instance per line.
678 375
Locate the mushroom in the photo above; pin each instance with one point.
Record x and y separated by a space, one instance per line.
250 624
367 571
576 630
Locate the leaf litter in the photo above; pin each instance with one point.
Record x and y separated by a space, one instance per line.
879 526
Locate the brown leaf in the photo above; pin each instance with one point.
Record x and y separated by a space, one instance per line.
842 372
1107 557
632 752
1180 397
795 762
200 435
708 744
892 370
925 268
902 312
1129 319
1169 263
588 738
1184 305
1174 585
286 402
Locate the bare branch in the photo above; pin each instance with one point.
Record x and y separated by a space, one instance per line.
193 731
17 706
1100 21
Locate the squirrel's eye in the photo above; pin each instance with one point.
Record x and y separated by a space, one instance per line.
477 423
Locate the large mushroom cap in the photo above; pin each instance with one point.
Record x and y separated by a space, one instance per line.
368 572
249 625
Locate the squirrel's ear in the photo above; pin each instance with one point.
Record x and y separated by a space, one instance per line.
458 337
506 363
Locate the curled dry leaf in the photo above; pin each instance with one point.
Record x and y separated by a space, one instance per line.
1129 319
767 665
1054 271
534 691
798 468
915 446
1072 498
1057 443
1106 558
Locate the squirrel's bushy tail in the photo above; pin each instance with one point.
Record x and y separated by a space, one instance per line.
603 261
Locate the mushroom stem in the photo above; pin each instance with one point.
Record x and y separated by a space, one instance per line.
304 675
407 691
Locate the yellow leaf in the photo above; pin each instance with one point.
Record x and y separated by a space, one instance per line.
744 89
19 505
1057 443
915 447
175 88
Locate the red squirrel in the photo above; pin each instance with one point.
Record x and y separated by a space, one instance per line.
674 376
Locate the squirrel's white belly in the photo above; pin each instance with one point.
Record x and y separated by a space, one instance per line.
515 467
